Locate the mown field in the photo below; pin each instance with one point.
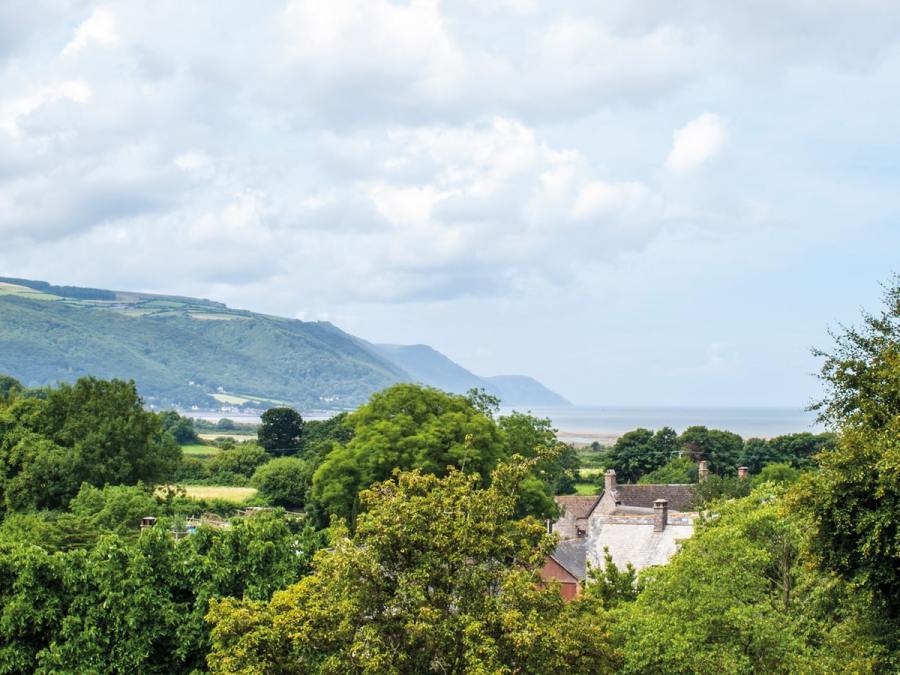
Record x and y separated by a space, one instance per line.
235 495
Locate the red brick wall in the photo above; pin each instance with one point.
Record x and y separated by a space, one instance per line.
553 571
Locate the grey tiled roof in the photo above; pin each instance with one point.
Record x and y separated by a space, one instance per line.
679 496
572 554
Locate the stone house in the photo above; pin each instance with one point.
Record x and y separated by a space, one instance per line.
639 524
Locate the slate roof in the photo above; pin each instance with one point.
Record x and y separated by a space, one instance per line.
572 555
579 506
643 496
635 542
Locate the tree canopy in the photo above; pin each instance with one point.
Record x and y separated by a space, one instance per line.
95 431
439 577
412 427
854 499
281 431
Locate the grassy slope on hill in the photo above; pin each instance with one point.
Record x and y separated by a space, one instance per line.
160 345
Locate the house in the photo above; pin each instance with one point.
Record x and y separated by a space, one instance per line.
567 565
574 512
641 525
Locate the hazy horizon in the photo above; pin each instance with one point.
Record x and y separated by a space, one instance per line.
636 204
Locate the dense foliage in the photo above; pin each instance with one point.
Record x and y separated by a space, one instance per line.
94 432
137 605
665 457
439 577
853 501
411 427
281 431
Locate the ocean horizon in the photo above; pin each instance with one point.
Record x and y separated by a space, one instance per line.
585 424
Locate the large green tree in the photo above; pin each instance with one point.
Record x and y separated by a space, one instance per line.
281 431
95 431
641 451
439 577
137 604
722 449
404 427
854 499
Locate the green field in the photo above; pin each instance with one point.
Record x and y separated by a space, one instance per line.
228 398
25 292
200 451
235 435
586 489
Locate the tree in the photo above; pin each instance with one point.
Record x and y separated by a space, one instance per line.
225 424
94 431
722 449
716 488
404 427
798 450
531 436
414 592
676 470
284 481
137 604
861 373
105 424
9 387
181 428
281 431
640 451
319 435
853 501
740 598
777 472
240 461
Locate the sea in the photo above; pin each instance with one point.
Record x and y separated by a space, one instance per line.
586 424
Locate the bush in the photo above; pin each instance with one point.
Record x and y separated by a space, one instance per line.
241 460
283 481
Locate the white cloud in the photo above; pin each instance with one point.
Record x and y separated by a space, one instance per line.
12 110
696 143
599 199
376 43
99 28
192 162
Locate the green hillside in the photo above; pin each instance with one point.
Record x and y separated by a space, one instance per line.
186 352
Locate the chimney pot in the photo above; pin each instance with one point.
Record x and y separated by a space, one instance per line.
743 472
660 515
609 480
703 470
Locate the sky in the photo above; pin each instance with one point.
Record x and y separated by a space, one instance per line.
637 203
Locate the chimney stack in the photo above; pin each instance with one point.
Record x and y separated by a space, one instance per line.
743 471
703 470
660 515
609 479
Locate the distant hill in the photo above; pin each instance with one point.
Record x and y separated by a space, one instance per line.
429 366
187 352
517 390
